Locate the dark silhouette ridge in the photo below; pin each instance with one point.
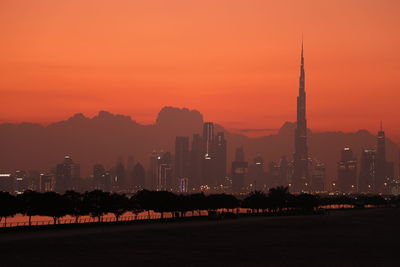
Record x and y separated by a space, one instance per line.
106 136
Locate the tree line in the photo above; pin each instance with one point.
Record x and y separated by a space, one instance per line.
98 203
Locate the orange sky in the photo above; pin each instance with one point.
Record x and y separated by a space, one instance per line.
235 61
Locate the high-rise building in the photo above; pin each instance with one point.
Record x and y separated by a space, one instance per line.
208 155
130 164
196 162
164 176
139 177
256 173
152 177
384 169
67 175
239 171
347 172
47 182
119 176
300 178
318 178
182 159
220 158
366 179
101 178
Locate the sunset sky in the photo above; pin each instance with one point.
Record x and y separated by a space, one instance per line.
235 61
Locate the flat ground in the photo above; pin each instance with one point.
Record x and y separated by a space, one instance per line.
342 238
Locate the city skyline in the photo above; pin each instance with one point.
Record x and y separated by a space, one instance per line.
354 62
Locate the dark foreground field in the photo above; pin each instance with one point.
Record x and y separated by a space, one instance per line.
342 238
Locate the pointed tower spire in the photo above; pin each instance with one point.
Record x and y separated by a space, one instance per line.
381 126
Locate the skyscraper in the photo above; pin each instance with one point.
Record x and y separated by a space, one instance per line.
139 177
196 161
208 154
381 164
366 180
239 171
182 159
67 175
220 158
300 175
347 171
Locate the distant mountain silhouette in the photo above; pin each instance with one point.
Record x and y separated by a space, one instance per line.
106 136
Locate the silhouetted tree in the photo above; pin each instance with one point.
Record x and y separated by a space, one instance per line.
96 203
31 204
117 205
53 205
75 204
279 197
8 206
197 201
256 200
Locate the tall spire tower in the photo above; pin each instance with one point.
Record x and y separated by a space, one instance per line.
300 180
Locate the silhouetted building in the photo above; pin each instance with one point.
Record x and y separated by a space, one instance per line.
67 175
347 172
196 161
101 178
256 173
274 174
220 158
130 164
139 177
20 182
208 154
318 179
239 171
164 177
184 185
152 176
6 182
300 178
33 181
366 180
182 159
118 182
47 182
284 172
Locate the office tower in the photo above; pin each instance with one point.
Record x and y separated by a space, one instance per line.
139 177
274 174
47 182
20 182
239 171
164 176
196 162
347 172
101 178
208 154
381 177
130 164
366 180
67 175
256 173
182 159
220 158
119 176
300 177
33 181
318 179
7 182
284 172
152 176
